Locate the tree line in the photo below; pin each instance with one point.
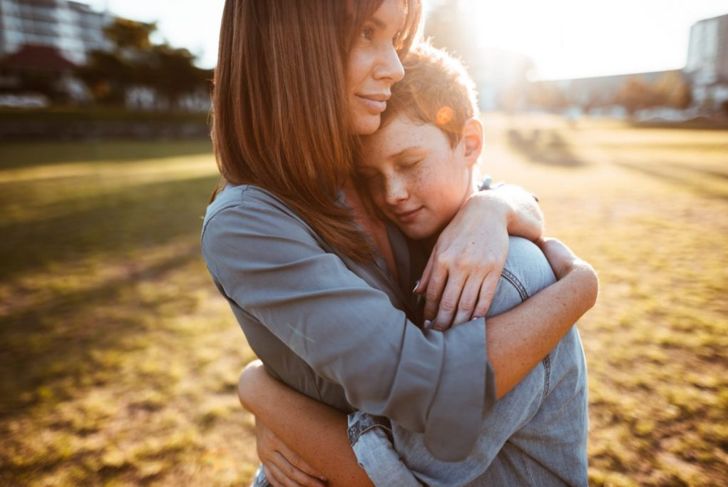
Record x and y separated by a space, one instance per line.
135 62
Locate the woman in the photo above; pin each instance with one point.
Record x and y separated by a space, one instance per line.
296 83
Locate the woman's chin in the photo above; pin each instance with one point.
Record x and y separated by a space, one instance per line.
367 124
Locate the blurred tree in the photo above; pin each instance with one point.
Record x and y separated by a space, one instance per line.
547 96
669 90
136 62
636 94
173 73
127 34
107 76
672 90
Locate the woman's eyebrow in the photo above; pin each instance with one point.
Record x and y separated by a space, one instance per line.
379 23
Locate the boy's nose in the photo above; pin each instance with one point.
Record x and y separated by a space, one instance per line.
396 191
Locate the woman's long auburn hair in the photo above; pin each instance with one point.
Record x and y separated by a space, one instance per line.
280 118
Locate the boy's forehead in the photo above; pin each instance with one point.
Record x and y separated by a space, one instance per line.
398 134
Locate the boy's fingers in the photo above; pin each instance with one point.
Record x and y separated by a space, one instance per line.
273 475
298 477
299 463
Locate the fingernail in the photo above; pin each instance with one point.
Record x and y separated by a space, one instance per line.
417 284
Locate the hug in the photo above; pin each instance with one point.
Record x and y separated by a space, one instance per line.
347 150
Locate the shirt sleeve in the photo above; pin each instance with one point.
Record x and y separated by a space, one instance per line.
270 265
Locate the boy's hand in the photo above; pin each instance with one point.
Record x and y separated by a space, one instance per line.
462 274
560 257
282 466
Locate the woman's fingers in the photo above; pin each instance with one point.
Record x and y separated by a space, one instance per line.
433 291
425 279
487 292
449 302
468 299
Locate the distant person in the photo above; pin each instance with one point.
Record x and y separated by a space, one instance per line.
419 169
313 276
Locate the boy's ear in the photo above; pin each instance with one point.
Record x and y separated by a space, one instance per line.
472 140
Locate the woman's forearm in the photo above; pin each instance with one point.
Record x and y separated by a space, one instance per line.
315 431
520 338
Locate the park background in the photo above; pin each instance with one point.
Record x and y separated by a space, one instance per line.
118 357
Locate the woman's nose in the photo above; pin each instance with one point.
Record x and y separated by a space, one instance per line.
389 65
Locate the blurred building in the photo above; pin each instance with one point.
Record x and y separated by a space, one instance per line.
707 62
70 27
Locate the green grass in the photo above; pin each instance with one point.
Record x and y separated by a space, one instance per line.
119 358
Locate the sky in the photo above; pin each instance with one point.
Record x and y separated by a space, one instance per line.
565 38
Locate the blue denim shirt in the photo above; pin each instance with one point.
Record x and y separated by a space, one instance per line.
335 330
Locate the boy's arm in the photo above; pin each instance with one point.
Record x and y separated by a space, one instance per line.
462 273
518 339
314 431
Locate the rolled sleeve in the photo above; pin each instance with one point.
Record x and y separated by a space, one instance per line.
271 265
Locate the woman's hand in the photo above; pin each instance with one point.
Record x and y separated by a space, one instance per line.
282 466
461 276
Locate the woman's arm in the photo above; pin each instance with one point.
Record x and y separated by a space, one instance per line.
517 340
462 273
314 431
281 279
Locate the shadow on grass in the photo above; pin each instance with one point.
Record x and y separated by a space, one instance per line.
547 147
62 338
701 170
676 173
24 155
56 337
106 224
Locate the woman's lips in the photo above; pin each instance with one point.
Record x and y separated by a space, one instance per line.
373 104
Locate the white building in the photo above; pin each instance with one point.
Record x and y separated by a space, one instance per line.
707 62
71 27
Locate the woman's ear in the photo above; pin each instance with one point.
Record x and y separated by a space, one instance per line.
472 140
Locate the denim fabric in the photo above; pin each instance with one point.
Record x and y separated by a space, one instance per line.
260 480
535 435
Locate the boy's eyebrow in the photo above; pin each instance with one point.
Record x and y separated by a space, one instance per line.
404 152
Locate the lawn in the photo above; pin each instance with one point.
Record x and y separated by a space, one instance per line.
119 359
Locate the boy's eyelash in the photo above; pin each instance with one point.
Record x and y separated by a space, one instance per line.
411 164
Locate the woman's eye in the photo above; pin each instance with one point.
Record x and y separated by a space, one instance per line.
367 33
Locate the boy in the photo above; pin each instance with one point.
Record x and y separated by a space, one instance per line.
419 169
